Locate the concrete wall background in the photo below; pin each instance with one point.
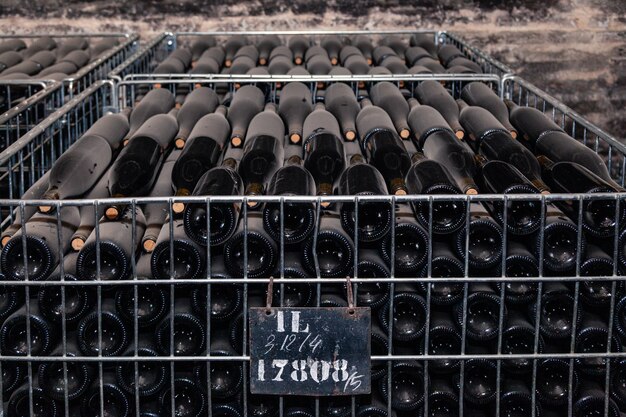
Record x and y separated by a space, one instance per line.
574 49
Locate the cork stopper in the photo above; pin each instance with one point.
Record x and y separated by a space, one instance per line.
236 141
405 133
111 213
295 138
459 134
78 243
148 245
350 135
179 143
5 240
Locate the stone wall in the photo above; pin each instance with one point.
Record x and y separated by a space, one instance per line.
574 49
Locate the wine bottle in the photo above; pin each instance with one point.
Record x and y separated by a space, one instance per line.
444 264
90 213
433 94
592 337
448 52
374 294
516 397
591 401
341 102
226 377
324 155
201 44
247 102
188 332
332 44
157 101
429 177
480 382
560 241
396 65
414 54
382 52
265 47
333 254
553 382
348 51
103 45
490 138
299 294
298 45
480 94
114 332
241 65
443 398
151 300
482 315
247 51
383 147
78 299
444 339
556 316
364 43
71 44
280 65
112 127
8 59
569 177
44 43
118 240
114 402
232 45
499 177
388 97
13 333
520 263
201 153
464 65
226 299
294 106
30 66
65 67
13 374
261 255
198 103
617 390
432 64
407 386
263 151
215 53
77 169
53 380
12 45
151 378
46 238
34 192
174 255
11 299
409 317
518 338
134 171
374 218
222 221
484 245
597 263
411 243
290 223
77 57
19 404
357 64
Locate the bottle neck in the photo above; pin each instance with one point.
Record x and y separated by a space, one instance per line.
413 103
222 110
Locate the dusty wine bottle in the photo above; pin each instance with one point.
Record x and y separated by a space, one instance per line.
407 386
265 47
556 316
52 379
388 97
519 338
480 94
480 382
280 65
482 315
112 127
592 337
44 43
371 266
189 338
591 401
102 331
333 256
19 403
175 256
47 237
433 94
226 299
332 44
14 335
151 378
8 59
232 45
364 43
201 153
342 103
484 243
247 102
383 147
290 223
114 402
516 397
444 339
520 263
409 317
157 101
198 103
152 302
319 65
294 106
298 45
553 385
201 44
597 263
444 264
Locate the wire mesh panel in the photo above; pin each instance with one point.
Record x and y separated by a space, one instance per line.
120 326
146 60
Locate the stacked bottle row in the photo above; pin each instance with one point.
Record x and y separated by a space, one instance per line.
301 55
50 59
127 320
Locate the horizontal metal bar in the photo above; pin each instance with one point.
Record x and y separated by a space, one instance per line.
49 87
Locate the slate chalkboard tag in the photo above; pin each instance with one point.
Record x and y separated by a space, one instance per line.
320 351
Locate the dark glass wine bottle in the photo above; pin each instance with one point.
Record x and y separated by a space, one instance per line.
518 337
89 214
226 377
382 52
599 216
364 43
117 241
53 380
443 399
13 374
383 147
444 264
8 59
520 263
152 302
114 332
448 52
13 333
388 97
11 299
597 263
200 102
348 51
480 94
14 44
357 64
374 218
334 252
483 313
298 45
113 401
480 382
280 64
295 294
265 46
499 177
157 101
71 44
592 337
432 93
201 44
342 103
484 244
232 45
112 127
295 104
553 382
319 65
43 246
544 137
187 260
409 317
223 217
226 299
556 316
516 398
247 102
290 223
371 266
42 405
590 401
43 43
414 54
312 51
332 44
263 152
407 386
151 378
32 65
617 388
560 241
189 337
444 339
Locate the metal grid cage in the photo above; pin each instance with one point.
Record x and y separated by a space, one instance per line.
511 372
142 63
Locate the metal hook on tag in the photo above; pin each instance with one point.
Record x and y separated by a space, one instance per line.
270 294
350 295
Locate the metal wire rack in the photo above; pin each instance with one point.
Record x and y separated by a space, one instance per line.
606 357
142 63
